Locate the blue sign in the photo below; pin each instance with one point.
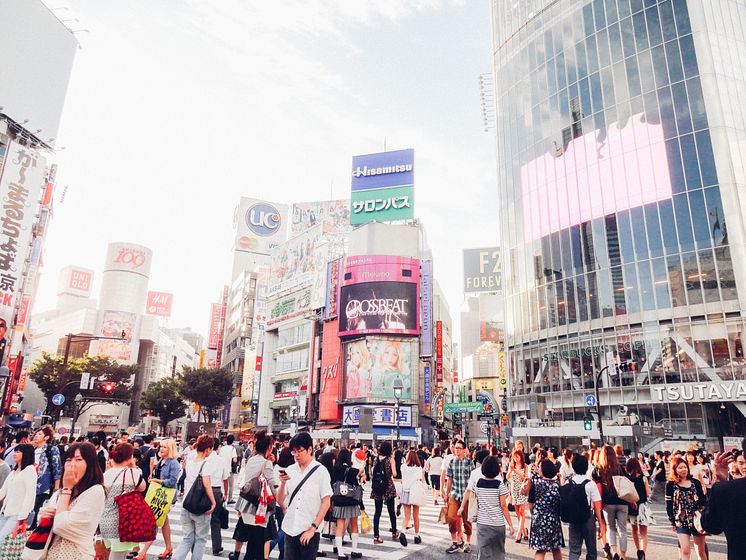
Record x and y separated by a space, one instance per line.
426 311
382 170
426 396
38 412
58 399
263 219
590 400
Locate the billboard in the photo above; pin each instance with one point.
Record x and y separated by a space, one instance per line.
426 308
159 303
215 321
286 307
21 184
383 415
294 262
333 283
260 225
34 75
373 363
380 294
333 215
482 270
618 167
331 374
382 187
439 353
128 257
75 280
119 325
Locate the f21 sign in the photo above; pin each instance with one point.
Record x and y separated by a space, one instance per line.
379 307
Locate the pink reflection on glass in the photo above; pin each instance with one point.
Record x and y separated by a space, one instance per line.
595 176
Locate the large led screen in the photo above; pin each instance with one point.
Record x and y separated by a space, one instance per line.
372 364
379 307
595 175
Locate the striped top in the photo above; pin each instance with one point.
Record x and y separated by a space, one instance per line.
488 493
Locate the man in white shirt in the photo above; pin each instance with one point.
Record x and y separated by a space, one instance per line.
306 491
586 531
228 454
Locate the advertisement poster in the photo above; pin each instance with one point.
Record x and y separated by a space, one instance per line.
426 311
372 364
159 304
379 307
382 187
333 215
286 307
331 375
120 325
331 304
215 322
260 225
294 262
439 353
318 287
482 270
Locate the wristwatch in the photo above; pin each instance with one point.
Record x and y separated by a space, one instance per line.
66 492
314 525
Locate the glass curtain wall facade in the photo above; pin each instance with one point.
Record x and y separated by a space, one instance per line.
618 246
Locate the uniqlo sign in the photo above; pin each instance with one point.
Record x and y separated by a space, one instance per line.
159 303
80 280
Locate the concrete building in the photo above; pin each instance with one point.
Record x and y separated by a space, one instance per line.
620 134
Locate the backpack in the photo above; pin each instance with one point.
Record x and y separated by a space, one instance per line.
379 481
574 506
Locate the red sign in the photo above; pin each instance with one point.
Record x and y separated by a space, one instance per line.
286 395
331 375
22 379
23 310
221 331
159 303
455 377
438 353
80 280
214 337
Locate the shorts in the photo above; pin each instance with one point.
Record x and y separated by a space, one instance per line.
683 531
435 481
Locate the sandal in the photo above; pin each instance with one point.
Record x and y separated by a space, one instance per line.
377 540
166 554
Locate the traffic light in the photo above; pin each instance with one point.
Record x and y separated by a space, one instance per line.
587 423
626 367
107 387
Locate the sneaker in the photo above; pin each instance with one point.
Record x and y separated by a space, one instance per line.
233 555
418 540
321 554
342 557
403 539
454 548
467 548
356 554
217 551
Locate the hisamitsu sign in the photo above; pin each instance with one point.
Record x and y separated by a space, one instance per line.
482 270
382 187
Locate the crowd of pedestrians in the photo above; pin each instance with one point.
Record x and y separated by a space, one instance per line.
84 499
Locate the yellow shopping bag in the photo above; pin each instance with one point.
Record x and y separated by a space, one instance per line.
160 498
365 525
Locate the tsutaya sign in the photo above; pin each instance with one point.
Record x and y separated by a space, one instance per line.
700 392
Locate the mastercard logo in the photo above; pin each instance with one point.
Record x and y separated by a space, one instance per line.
246 242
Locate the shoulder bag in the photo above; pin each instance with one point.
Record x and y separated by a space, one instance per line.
197 501
252 489
625 489
344 494
136 519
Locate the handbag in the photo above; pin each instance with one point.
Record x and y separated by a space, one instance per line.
625 489
252 489
136 519
365 524
418 493
443 517
197 501
13 546
39 540
223 518
344 494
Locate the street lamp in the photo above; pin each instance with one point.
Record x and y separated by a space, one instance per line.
598 403
398 388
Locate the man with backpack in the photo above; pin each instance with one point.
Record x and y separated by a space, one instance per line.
580 506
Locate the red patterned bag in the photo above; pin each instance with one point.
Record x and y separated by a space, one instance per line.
136 519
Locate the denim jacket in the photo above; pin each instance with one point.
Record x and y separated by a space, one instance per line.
169 474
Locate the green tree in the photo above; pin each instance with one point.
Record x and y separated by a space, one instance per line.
209 388
46 371
163 399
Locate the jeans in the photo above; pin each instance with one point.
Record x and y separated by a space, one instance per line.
616 522
196 529
377 515
583 532
279 542
491 541
294 550
217 538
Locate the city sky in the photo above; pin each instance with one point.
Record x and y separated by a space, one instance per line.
177 109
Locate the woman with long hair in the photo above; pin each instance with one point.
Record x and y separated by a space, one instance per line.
411 476
615 509
18 492
435 464
383 490
517 475
684 498
166 473
565 466
345 513
122 477
250 530
640 514
80 503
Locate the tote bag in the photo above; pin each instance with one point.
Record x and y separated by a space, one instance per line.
197 501
136 519
625 489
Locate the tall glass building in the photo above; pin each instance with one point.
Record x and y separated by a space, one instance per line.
621 140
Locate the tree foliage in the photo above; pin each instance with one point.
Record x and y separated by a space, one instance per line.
164 400
210 388
46 372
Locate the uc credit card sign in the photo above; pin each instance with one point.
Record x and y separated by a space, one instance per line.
382 187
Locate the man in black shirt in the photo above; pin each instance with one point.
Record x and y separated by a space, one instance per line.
725 511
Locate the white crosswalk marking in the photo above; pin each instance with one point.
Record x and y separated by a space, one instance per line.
430 531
